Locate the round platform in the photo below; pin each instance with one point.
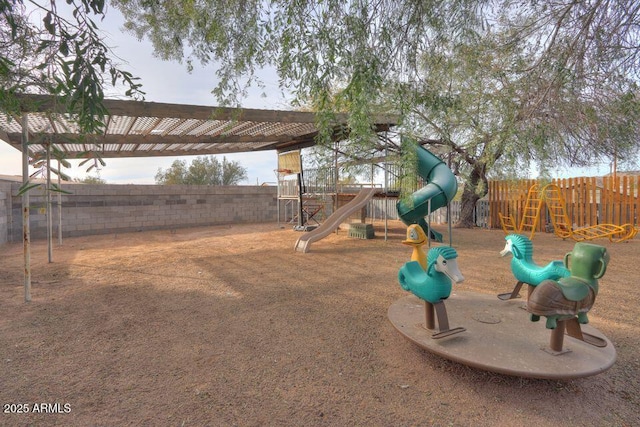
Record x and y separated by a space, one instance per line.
499 337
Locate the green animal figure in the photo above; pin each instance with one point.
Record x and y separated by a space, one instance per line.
571 296
434 284
524 269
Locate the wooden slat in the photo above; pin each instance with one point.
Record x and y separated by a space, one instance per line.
282 126
624 201
39 103
580 201
636 197
594 201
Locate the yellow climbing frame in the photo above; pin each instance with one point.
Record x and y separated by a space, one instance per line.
562 225
551 196
530 216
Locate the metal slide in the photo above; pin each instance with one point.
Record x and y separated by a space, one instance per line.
440 189
334 221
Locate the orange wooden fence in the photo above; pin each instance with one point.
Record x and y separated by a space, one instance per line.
589 200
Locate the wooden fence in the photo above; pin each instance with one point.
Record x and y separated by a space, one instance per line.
589 200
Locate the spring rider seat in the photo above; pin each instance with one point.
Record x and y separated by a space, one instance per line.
565 302
429 278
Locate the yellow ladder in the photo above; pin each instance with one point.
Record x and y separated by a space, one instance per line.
508 223
531 212
557 211
530 215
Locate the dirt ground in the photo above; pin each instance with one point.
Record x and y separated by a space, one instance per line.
227 325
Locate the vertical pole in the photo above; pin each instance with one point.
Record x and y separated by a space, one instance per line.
557 337
429 223
278 190
373 213
429 315
336 174
59 210
300 220
386 186
48 212
278 209
26 233
449 221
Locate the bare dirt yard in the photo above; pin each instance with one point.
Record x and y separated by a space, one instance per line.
227 325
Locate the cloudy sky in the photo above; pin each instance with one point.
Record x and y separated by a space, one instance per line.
166 82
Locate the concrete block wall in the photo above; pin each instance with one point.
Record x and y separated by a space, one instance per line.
106 209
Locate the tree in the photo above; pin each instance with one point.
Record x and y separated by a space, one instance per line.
316 47
495 106
62 55
583 73
90 180
569 68
205 170
499 84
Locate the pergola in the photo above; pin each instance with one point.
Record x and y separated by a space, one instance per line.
149 129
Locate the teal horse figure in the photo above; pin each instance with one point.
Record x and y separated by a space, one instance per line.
524 269
433 285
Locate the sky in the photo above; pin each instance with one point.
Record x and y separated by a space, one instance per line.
166 81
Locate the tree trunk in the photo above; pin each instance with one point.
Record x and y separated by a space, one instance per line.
471 195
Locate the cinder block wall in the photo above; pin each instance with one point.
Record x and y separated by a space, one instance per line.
105 209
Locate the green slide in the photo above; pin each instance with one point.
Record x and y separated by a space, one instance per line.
440 189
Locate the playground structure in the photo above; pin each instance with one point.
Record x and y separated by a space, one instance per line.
499 337
439 189
551 196
334 221
530 215
314 208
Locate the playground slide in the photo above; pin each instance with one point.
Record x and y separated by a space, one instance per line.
440 189
334 221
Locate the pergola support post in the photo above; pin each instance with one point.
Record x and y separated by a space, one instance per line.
49 212
26 232
59 208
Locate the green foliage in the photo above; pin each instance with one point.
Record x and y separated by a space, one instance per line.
61 56
203 170
90 180
408 167
43 168
319 49
530 62
500 103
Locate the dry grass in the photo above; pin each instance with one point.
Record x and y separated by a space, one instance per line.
228 326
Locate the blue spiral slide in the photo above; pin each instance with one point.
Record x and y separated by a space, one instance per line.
440 189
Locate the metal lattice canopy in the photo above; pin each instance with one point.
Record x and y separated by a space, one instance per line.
149 129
